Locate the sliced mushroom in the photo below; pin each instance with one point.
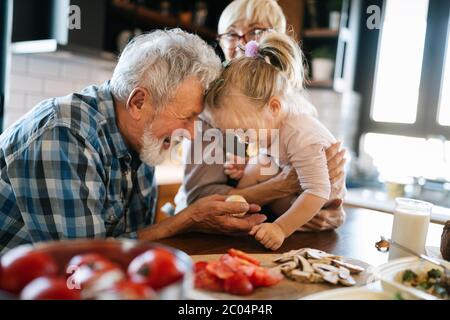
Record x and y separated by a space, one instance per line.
344 273
313 266
319 255
323 261
316 278
300 276
329 273
349 281
288 256
325 267
353 268
305 277
304 264
331 277
287 266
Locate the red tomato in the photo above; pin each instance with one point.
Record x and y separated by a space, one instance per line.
238 284
237 264
93 281
258 277
207 281
219 269
156 268
200 266
22 265
230 262
272 277
94 261
244 256
265 278
126 290
47 288
86 268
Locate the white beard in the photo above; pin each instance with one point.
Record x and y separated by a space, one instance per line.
152 152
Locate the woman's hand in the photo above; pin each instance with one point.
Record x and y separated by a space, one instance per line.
270 235
336 162
287 181
329 218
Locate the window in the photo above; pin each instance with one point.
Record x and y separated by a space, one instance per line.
397 157
444 108
399 68
405 124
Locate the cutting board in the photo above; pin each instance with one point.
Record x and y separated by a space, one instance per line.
285 290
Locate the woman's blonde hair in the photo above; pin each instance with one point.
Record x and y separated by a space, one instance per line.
253 11
276 71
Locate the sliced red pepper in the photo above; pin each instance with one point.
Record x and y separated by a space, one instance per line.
244 256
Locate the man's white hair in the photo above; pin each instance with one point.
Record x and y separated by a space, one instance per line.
159 61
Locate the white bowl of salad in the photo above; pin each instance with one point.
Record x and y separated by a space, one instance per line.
413 278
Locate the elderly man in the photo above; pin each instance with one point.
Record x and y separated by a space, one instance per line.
82 166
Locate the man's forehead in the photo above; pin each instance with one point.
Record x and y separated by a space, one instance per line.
190 88
189 98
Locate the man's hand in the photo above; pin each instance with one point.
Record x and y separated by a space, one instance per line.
214 215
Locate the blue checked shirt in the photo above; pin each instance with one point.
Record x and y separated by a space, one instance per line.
66 173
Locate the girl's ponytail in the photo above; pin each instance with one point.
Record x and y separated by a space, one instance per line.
284 54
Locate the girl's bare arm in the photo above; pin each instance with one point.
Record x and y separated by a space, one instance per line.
302 210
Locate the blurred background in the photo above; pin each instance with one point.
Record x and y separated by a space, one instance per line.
379 76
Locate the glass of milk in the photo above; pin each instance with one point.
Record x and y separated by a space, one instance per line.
410 228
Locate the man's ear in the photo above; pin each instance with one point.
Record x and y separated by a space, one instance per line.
138 98
275 105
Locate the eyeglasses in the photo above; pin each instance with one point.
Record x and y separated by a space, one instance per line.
231 40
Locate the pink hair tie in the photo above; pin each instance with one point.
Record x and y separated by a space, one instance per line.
252 49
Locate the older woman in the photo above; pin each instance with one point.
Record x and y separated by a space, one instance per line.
241 22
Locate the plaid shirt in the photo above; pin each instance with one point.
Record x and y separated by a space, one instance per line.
66 173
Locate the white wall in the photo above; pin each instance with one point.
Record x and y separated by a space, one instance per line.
37 77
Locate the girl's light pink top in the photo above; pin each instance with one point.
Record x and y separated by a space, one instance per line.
303 140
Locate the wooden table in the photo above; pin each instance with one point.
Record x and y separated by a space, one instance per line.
355 239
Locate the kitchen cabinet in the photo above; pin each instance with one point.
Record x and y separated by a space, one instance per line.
52 25
93 24
44 26
39 26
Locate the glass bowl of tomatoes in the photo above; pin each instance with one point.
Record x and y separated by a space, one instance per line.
95 270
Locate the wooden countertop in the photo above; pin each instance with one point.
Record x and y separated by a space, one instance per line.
355 239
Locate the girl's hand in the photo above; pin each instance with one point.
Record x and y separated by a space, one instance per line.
234 167
270 235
